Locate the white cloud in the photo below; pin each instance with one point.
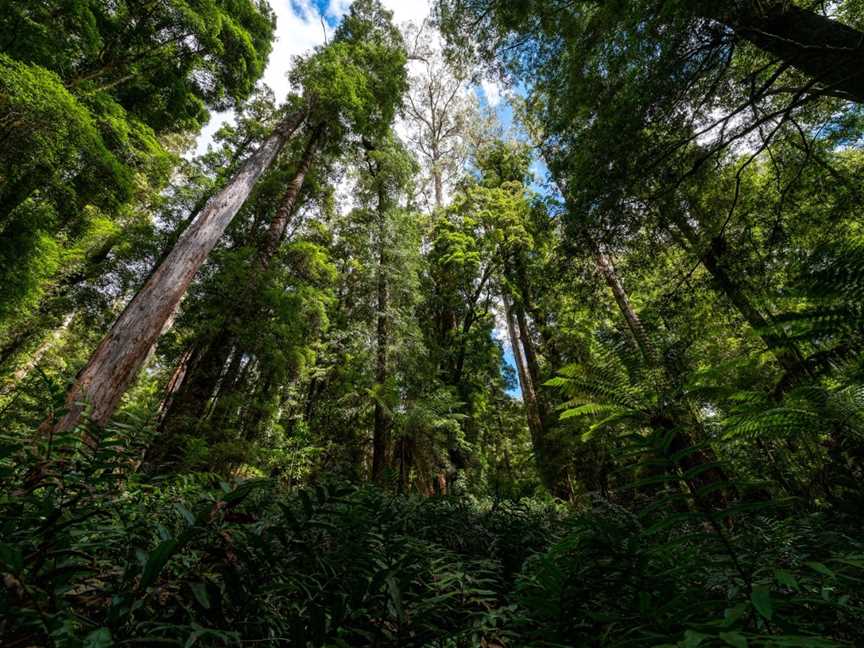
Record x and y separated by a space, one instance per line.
492 92
403 10
408 10
296 33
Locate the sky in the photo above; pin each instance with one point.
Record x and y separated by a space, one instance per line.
301 25
304 24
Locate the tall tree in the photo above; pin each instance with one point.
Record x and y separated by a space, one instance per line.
357 78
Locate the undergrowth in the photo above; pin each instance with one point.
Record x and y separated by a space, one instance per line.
93 556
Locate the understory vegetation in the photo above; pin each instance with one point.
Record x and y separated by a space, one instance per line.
534 324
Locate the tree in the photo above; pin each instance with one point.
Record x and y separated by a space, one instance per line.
365 39
439 113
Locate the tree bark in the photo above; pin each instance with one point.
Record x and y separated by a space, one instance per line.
535 424
381 428
186 407
546 454
826 50
191 402
689 458
280 220
118 358
604 265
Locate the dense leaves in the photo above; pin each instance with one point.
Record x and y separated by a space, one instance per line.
382 368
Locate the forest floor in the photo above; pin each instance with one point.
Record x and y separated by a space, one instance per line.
96 555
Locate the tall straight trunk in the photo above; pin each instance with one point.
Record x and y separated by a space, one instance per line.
381 427
175 382
187 406
437 180
530 355
712 257
219 412
192 402
825 50
118 358
526 383
255 414
549 349
405 450
546 453
280 220
607 269
689 458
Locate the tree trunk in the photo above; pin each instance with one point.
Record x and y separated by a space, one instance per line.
827 51
381 427
604 265
280 220
192 401
712 258
118 358
549 349
175 382
187 407
437 180
546 454
404 454
535 424
689 458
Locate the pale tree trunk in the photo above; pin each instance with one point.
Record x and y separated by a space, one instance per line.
437 180
607 269
192 398
546 453
526 383
118 358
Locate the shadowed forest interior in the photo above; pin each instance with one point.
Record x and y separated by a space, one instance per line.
525 323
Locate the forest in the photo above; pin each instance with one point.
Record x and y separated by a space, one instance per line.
526 324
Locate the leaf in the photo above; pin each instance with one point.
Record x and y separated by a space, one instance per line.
786 579
200 592
822 569
734 639
242 491
186 513
761 599
11 557
100 638
396 598
156 561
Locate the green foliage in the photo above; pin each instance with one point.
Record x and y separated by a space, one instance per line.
91 553
356 82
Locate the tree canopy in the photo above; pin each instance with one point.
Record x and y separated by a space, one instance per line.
397 363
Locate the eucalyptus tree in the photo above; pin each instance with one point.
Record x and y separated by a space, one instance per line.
440 111
96 101
355 81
